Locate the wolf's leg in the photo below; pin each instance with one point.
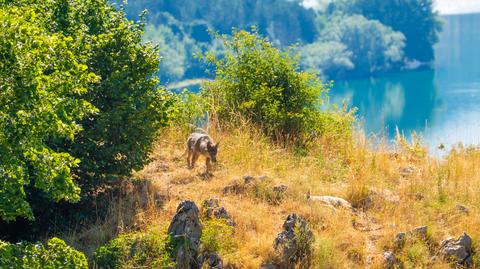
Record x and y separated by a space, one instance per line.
189 158
194 159
208 164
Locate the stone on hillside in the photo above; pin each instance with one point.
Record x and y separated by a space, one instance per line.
211 261
400 240
389 260
280 189
420 232
335 202
213 210
294 243
234 188
251 179
459 251
462 209
186 229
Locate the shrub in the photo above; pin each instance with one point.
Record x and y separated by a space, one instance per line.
56 255
262 84
190 110
150 249
217 236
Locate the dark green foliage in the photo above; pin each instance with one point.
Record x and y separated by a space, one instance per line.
55 255
217 237
150 249
286 22
131 107
416 19
42 85
262 84
374 47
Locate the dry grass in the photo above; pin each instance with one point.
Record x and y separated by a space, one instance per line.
427 189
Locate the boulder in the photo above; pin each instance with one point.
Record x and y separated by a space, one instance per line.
459 251
280 189
420 232
234 188
294 243
462 209
186 230
213 210
332 201
211 261
251 179
389 260
400 239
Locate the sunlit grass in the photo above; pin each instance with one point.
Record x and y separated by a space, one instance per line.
427 189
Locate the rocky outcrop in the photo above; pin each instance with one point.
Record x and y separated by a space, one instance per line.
460 250
400 240
212 210
420 232
294 244
186 230
211 261
389 260
332 201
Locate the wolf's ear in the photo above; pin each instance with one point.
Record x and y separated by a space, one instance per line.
217 144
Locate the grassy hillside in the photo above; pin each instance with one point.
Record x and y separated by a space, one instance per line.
392 190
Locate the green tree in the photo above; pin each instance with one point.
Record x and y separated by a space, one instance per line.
264 85
42 86
331 59
131 106
374 47
416 19
79 96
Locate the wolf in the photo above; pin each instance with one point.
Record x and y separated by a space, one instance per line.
200 143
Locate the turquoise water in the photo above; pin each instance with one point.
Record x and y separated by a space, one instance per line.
443 104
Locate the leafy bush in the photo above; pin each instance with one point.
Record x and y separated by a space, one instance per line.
56 255
190 110
217 236
263 85
42 91
130 106
150 250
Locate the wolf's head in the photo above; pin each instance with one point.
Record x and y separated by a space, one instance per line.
213 151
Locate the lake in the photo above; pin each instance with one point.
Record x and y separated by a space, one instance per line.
442 105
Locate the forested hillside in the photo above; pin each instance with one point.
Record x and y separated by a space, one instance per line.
345 39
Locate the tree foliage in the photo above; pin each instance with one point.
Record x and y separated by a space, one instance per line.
416 19
54 255
264 85
43 83
288 22
374 47
79 96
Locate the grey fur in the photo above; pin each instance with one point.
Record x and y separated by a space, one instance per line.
200 143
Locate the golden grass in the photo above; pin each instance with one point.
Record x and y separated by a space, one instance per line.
428 190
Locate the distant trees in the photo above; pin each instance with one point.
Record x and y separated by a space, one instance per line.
372 46
416 19
329 58
287 22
